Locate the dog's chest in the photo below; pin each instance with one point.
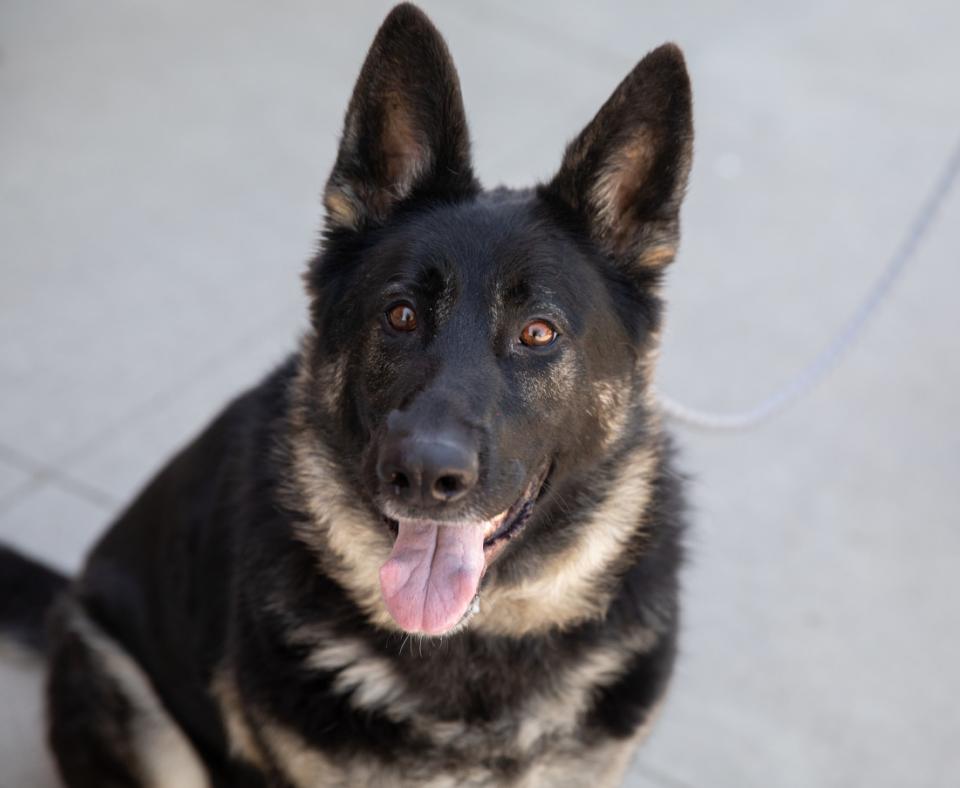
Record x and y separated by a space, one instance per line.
443 724
478 758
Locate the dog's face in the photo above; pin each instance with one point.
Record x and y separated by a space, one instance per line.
488 350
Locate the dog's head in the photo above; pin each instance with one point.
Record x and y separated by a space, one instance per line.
481 359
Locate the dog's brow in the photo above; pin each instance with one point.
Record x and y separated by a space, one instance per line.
516 291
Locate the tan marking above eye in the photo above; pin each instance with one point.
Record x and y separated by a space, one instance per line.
402 317
538 333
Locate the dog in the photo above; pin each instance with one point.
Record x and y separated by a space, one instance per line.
439 545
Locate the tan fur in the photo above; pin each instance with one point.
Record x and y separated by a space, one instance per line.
344 539
331 380
348 203
622 177
560 710
549 717
304 767
570 766
165 758
545 733
300 764
341 210
657 256
617 156
614 193
407 156
612 406
566 590
370 680
240 738
601 767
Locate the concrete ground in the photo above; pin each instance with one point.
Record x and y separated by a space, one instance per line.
160 166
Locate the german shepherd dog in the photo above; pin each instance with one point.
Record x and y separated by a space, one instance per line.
440 544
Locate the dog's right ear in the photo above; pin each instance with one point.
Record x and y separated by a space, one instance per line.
405 133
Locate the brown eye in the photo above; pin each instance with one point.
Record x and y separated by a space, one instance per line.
402 317
538 333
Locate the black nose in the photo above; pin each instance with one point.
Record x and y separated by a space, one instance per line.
427 470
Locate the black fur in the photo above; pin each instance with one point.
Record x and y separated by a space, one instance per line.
239 560
27 590
91 725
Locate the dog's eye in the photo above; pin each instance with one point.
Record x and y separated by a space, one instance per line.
538 333
402 317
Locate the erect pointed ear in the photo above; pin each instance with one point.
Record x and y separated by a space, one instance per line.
626 172
405 130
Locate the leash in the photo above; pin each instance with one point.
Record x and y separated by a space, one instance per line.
826 361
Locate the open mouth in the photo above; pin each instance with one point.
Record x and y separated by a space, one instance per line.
506 525
499 530
430 582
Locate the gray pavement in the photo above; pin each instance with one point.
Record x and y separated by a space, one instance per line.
151 152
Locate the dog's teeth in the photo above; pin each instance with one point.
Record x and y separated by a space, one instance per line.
490 529
494 523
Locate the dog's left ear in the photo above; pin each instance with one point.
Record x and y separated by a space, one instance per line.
405 133
625 174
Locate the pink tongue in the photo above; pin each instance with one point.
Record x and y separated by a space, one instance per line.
432 574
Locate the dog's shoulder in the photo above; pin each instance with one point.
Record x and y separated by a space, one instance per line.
161 579
192 499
